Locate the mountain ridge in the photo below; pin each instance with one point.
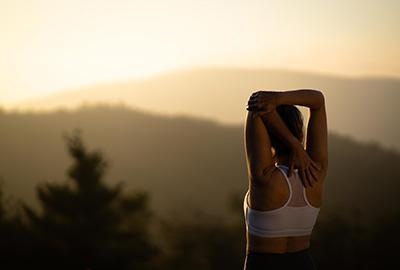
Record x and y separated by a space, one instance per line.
358 107
179 160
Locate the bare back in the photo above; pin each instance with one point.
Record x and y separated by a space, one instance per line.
269 191
273 195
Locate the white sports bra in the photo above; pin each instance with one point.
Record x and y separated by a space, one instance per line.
295 218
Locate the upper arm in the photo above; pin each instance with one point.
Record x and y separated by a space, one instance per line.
258 148
317 135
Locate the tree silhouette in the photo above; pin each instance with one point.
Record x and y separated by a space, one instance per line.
85 224
201 241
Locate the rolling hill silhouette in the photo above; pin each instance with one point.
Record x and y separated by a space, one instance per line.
360 107
184 162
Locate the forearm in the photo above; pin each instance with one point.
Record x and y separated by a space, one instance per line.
303 97
257 146
275 124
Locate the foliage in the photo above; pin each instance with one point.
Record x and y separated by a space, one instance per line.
85 224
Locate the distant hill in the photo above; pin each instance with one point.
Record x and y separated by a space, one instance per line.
363 108
181 161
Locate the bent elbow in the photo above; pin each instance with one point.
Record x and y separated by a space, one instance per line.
320 99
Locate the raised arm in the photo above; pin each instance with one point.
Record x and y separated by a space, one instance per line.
257 148
310 98
317 130
317 135
260 162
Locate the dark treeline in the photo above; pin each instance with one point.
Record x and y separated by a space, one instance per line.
181 160
84 223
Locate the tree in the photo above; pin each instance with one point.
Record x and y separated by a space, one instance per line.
85 224
201 241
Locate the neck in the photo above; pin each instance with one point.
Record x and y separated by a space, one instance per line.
282 160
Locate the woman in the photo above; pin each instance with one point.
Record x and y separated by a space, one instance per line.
286 179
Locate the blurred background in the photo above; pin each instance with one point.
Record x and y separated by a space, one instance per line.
121 128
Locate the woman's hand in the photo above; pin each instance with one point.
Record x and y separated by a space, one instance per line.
263 102
307 168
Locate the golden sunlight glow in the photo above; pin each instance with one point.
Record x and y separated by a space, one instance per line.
48 46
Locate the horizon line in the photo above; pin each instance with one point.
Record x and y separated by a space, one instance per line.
211 67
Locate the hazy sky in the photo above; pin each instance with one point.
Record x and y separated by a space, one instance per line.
52 45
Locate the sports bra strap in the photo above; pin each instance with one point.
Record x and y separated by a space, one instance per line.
290 187
297 191
296 218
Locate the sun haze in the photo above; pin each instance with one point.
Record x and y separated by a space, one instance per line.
48 46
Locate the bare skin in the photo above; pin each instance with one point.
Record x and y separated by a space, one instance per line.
267 186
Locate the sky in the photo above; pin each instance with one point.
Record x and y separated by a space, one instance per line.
52 45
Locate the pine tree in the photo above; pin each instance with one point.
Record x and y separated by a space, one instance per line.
86 224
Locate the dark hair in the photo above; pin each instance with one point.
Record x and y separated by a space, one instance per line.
293 119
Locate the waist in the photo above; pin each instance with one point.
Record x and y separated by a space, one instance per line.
279 245
284 254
